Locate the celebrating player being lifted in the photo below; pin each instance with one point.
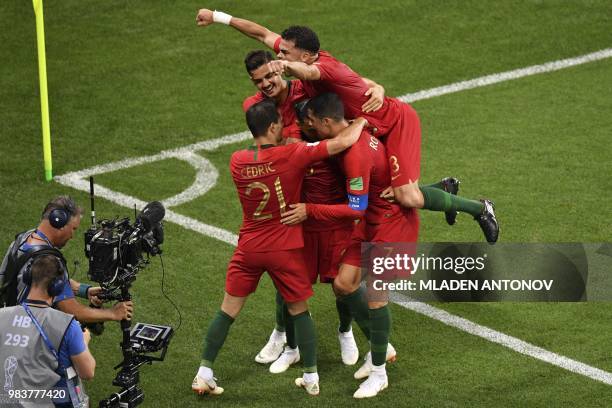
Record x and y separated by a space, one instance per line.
397 122
267 177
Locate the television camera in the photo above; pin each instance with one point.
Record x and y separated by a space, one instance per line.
116 252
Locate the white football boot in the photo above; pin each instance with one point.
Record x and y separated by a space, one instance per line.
273 348
376 382
287 358
366 368
348 347
310 382
204 383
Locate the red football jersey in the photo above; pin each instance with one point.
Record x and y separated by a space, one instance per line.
323 181
366 170
286 110
324 184
339 78
269 178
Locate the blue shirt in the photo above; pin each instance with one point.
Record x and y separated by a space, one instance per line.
72 344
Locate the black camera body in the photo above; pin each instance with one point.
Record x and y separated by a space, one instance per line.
115 248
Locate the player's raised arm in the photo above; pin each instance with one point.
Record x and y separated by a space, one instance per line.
347 137
297 69
249 28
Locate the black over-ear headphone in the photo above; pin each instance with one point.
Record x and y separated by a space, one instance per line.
59 217
56 285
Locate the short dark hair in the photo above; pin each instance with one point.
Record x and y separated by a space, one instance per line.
300 110
327 105
256 59
62 202
260 116
44 269
303 37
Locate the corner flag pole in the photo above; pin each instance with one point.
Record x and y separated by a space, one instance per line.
42 75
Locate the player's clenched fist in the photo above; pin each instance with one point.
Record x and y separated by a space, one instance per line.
204 17
277 66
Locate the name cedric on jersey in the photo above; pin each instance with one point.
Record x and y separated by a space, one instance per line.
257 171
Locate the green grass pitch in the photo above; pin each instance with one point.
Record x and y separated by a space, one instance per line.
132 78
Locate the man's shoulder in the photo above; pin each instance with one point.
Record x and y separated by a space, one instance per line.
240 154
28 254
326 59
252 100
358 152
300 147
362 143
297 92
51 312
8 311
67 317
326 56
22 237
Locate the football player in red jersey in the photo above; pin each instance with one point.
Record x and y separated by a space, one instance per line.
268 176
367 174
285 93
271 85
397 122
324 239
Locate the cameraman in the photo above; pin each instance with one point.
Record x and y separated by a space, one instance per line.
60 218
42 347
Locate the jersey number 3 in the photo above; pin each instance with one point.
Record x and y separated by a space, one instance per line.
257 215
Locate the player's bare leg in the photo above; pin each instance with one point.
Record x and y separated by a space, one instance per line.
204 381
431 198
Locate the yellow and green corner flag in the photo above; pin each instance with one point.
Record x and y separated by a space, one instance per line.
44 100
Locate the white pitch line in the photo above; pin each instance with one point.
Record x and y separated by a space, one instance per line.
408 98
505 340
507 76
177 153
188 153
129 202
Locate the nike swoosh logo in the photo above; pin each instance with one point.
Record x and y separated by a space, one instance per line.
394 177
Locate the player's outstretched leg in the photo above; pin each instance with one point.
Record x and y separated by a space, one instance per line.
307 342
291 353
274 347
451 186
380 319
348 347
204 382
435 199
